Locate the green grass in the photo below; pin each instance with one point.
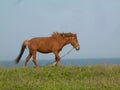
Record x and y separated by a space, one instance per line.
98 77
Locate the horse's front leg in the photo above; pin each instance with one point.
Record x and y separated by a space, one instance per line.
57 58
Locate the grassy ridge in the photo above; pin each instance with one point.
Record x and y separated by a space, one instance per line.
99 77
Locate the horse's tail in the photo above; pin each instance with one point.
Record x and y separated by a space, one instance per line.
25 43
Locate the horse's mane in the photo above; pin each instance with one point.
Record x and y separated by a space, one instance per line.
55 34
69 34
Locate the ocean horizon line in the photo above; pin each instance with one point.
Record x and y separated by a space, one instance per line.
66 62
66 58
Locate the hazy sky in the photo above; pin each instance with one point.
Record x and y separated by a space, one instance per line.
96 22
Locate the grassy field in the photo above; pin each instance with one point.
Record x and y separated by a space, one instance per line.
98 77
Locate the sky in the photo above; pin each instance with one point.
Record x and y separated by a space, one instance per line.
96 23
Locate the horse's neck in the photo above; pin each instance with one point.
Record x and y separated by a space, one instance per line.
63 41
66 41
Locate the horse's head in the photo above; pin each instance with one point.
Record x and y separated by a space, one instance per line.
74 42
72 39
69 38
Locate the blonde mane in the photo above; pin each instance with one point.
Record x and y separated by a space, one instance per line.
55 34
69 34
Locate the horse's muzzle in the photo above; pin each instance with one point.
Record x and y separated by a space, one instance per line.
77 48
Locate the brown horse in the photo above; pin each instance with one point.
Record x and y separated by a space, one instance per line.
52 44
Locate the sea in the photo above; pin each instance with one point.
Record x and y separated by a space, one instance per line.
65 62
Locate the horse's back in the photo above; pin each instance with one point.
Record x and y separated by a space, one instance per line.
40 40
42 44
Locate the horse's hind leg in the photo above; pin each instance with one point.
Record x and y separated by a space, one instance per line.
34 58
27 59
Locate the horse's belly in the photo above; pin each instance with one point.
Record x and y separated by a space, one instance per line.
44 51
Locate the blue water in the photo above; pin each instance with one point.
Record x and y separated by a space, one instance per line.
66 62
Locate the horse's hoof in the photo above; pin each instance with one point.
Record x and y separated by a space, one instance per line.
53 65
36 66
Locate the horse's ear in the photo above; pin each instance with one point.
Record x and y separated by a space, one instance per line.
75 34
